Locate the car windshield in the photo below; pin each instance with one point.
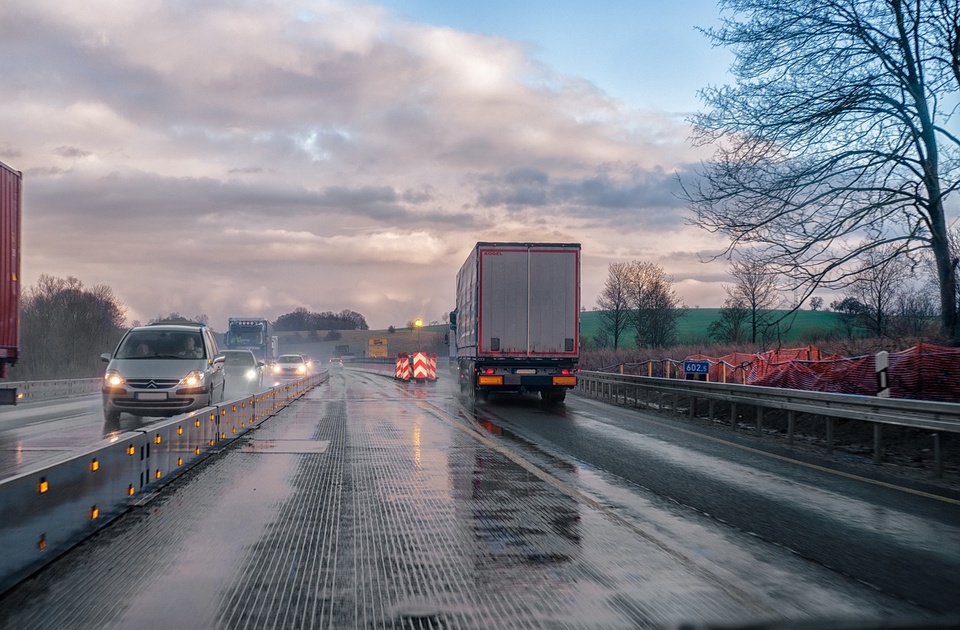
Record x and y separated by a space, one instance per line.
243 359
290 358
161 344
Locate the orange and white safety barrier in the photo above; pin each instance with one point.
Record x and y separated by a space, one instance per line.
420 365
403 367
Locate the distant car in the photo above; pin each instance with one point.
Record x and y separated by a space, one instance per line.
335 362
243 371
162 370
290 365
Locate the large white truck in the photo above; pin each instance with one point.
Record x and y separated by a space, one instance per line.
517 323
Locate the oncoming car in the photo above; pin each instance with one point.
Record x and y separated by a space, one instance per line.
244 373
291 365
162 370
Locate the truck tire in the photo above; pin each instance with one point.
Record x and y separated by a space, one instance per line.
553 396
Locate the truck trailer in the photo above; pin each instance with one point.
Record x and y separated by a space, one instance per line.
517 322
10 210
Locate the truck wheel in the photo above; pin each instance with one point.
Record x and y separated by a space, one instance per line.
553 396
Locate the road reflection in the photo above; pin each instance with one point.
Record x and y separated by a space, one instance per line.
518 519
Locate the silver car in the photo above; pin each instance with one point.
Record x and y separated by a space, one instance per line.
291 365
162 370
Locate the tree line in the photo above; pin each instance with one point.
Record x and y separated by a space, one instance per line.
303 320
66 326
887 296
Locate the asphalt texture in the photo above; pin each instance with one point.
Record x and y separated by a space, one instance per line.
375 504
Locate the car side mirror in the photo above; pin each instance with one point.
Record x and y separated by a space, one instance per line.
105 357
219 358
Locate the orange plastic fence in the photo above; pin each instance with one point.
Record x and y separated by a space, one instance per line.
923 372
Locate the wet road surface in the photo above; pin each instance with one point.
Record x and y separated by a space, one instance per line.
375 504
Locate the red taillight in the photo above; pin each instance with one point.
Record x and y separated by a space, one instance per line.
566 371
488 370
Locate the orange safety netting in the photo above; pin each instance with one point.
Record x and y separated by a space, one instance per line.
924 372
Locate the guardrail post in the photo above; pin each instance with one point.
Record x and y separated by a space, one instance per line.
877 443
759 421
830 434
937 461
791 425
693 407
733 416
710 411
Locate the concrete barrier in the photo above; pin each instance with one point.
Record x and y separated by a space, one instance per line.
47 510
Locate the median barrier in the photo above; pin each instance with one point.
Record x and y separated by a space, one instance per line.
46 510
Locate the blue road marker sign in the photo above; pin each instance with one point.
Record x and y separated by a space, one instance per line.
696 367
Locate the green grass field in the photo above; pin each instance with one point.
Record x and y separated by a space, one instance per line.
694 324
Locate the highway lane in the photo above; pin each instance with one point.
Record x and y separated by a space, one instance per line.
901 537
371 503
35 433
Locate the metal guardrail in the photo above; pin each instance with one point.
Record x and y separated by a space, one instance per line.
28 391
636 391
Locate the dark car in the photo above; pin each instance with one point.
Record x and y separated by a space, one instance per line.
243 371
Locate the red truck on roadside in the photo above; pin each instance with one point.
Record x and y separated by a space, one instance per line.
10 207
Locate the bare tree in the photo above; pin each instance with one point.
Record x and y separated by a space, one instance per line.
880 281
729 325
849 312
838 126
656 306
756 289
65 327
614 303
915 313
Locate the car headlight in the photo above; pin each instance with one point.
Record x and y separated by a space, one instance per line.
276 369
113 379
251 374
193 379
302 369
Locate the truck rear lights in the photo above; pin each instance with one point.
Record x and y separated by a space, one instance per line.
490 380
566 371
487 371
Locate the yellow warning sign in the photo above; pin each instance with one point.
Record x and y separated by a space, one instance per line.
377 341
378 351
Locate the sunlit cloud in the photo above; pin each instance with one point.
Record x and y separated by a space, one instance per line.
324 154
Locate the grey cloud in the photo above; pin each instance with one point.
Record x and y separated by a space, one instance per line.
647 196
141 198
71 152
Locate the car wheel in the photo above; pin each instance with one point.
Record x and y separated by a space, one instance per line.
111 416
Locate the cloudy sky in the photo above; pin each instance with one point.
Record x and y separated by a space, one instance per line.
247 158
